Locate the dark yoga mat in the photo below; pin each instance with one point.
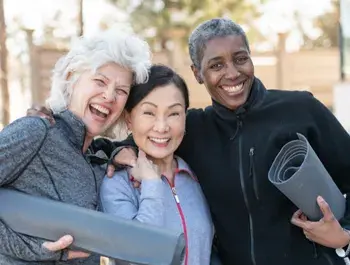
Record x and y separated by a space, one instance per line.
299 174
92 231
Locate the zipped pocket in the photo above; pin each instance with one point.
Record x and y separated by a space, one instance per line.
252 173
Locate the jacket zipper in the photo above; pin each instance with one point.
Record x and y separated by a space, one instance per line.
182 216
241 177
252 172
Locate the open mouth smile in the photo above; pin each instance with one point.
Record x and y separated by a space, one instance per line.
233 89
99 110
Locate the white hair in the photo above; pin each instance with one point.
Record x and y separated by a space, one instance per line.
120 47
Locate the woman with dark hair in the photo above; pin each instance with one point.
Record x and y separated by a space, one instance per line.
170 195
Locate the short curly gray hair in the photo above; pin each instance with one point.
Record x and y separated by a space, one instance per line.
122 48
208 30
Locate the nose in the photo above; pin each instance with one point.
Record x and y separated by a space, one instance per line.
231 71
161 125
109 94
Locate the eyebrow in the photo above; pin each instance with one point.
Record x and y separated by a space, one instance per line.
154 105
104 76
117 86
217 58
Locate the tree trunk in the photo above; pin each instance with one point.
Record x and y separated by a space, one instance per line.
5 97
80 18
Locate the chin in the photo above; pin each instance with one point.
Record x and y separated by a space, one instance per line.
159 154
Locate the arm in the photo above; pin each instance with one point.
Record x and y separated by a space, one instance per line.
118 198
332 144
19 142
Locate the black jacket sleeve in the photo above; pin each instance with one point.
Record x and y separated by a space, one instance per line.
331 142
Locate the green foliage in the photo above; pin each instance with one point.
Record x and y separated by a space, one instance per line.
154 18
329 26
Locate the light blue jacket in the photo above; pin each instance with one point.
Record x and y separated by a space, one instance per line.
181 208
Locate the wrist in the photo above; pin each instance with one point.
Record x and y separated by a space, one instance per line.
346 238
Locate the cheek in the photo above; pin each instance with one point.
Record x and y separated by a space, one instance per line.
140 127
211 79
178 129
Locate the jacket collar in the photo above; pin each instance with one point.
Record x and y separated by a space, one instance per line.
72 127
254 100
182 167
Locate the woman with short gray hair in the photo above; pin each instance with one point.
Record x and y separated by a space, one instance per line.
231 145
89 90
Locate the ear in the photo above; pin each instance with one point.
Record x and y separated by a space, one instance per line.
197 74
69 75
127 116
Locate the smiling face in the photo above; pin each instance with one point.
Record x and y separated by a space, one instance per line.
226 70
99 98
158 121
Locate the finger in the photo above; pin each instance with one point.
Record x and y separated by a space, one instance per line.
110 170
60 244
45 111
303 217
77 254
298 221
325 209
136 184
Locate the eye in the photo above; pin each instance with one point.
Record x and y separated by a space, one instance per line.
148 113
121 92
175 114
241 59
100 82
216 66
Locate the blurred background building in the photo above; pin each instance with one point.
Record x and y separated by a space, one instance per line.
296 44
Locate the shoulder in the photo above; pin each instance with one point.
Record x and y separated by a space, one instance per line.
119 181
302 99
194 114
185 168
27 128
288 95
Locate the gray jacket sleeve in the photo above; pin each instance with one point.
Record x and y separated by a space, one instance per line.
19 142
119 197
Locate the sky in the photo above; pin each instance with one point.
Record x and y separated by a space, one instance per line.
33 13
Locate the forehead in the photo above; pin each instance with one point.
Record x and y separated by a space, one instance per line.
220 46
116 73
165 95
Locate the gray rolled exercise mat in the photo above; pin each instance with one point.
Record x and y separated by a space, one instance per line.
299 174
93 231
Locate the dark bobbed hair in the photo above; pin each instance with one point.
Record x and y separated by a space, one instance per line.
159 76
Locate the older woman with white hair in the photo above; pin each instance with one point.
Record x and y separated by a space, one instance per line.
89 90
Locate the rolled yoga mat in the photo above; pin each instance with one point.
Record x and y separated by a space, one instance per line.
299 174
92 231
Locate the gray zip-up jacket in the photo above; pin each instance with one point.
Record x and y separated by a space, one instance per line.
181 207
47 161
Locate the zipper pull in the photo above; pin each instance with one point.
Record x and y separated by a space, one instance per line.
175 195
251 162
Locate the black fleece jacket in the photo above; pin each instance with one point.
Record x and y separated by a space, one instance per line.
231 153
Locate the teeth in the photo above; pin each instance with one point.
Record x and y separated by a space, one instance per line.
100 109
233 88
159 140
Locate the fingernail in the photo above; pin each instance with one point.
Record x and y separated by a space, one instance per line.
320 199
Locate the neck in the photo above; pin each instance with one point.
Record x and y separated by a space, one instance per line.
166 166
87 143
